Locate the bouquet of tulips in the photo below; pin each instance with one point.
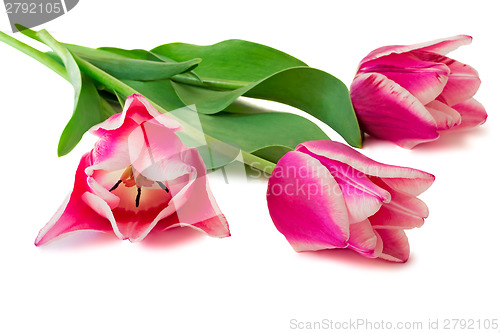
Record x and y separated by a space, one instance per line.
165 117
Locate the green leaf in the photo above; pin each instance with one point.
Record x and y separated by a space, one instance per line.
254 132
316 92
138 54
160 91
232 59
311 90
235 68
132 65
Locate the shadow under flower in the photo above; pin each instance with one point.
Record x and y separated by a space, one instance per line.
451 140
172 238
83 239
351 258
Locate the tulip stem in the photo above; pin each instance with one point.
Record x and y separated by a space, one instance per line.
256 162
218 84
35 54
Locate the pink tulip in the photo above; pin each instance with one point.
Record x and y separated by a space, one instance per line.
326 195
409 94
139 178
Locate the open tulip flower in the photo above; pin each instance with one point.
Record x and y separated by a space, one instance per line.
139 178
409 94
326 195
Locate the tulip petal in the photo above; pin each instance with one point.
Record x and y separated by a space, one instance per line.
102 208
463 81
198 208
111 150
306 204
138 109
472 112
388 111
74 214
395 245
157 155
103 192
445 116
410 186
441 46
362 197
423 79
446 45
403 211
408 180
362 239
154 152
124 137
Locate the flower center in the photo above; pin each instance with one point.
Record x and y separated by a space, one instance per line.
129 180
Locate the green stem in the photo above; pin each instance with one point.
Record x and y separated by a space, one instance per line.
257 162
35 54
217 84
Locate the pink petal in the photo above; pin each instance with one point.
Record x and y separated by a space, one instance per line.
410 186
472 112
306 204
129 220
74 214
102 208
123 136
388 111
103 192
423 79
111 151
363 240
197 208
362 197
138 109
395 245
441 46
463 81
446 45
444 115
154 152
403 211
403 179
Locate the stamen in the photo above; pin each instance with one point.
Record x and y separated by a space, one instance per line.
163 186
138 197
115 186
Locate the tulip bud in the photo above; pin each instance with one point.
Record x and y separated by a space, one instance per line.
410 94
326 195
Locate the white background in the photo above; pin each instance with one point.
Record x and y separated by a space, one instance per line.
253 281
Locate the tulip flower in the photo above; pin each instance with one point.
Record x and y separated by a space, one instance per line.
410 94
138 178
326 195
